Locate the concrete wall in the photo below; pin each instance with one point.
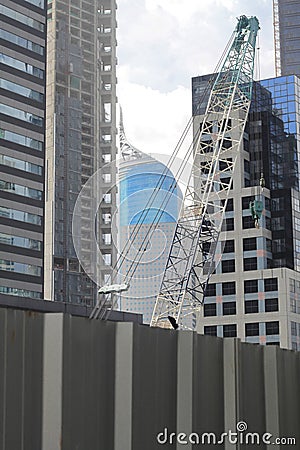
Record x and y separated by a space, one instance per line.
74 384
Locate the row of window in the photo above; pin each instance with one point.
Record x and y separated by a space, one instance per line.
26 20
22 42
20 164
13 266
20 139
19 292
228 288
21 65
248 245
251 329
21 90
22 216
18 189
228 265
251 307
38 3
21 115
19 241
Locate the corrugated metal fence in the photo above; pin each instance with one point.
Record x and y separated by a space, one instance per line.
74 384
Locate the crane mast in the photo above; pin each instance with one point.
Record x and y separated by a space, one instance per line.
193 251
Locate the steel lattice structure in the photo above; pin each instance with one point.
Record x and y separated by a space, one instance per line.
192 255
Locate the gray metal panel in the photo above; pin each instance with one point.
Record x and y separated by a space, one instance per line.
123 387
33 380
14 365
3 375
288 366
88 384
208 412
251 392
52 382
154 386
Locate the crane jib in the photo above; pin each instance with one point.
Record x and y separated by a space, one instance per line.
192 258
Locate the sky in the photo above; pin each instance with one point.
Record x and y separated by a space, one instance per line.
162 44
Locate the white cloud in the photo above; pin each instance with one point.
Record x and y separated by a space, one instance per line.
161 45
153 120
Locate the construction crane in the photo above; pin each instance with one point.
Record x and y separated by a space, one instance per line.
191 260
214 151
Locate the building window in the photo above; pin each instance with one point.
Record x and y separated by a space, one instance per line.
210 309
293 328
22 216
20 190
246 202
250 264
276 343
13 266
249 244
271 284
210 290
229 330
229 308
20 65
19 292
251 306
228 224
228 266
250 286
248 222
20 139
229 246
272 328
21 90
252 329
271 304
18 40
21 115
106 177
229 205
21 165
228 288
211 330
19 241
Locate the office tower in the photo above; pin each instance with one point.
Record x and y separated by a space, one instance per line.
22 136
253 293
81 139
139 174
286 15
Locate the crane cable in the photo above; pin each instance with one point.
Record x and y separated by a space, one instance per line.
159 184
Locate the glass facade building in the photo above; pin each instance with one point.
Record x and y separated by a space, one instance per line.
22 141
140 206
253 293
81 140
287 36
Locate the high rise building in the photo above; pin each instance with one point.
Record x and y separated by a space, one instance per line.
287 36
253 293
139 174
22 139
81 139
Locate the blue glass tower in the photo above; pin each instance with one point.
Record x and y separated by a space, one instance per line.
139 175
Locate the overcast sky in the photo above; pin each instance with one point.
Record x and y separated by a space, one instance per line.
162 44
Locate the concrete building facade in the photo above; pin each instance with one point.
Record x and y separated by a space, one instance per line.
253 293
81 139
22 139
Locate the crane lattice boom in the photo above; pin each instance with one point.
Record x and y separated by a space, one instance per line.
192 255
